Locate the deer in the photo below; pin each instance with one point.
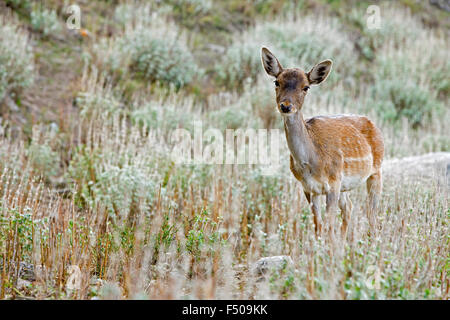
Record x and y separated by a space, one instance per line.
329 155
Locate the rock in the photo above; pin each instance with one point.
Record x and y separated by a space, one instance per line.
96 282
26 271
23 284
11 104
110 291
441 4
275 263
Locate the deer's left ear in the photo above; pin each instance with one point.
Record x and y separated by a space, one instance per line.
320 72
270 63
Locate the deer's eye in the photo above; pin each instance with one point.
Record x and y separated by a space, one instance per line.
277 84
306 88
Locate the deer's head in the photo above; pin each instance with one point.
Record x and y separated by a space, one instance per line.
292 85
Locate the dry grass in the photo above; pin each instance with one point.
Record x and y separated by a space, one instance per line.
201 229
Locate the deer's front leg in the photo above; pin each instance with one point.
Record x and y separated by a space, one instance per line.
313 200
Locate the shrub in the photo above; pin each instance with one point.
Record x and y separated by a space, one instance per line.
189 11
235 113
166 115
125 12
191 6
391 29
158 59
410 82
43 159
97 96
204 233
16 58
120 189
103 179
319 39
45 21
240 62
395 99
264 106
148 49
229 117
19 4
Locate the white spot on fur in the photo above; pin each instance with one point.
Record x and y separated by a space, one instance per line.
351 182
368 158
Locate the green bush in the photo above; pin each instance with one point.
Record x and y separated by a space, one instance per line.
393 20
240 62
205 234
122 188
19 4
16 58
124 13
191 6
148 50
166 116
44 159
394 99
236 114
101 101
230 117
41 155
308 48
160 60
45 21
115 183
410 83
264 106
189 11
318 40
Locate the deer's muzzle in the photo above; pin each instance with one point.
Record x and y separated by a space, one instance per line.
285 107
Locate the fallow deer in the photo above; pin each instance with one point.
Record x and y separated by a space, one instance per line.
330 155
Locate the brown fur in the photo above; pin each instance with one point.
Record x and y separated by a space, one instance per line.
349 136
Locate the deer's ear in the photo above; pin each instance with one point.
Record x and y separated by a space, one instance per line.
270 63
320 72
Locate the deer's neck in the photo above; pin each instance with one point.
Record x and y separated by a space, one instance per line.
299 141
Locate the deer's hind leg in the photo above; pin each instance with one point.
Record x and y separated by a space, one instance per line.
345 204
374 186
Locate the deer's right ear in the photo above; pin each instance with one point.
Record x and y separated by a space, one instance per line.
270 63
320 72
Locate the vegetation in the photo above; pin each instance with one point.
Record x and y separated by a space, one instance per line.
16 57
86 135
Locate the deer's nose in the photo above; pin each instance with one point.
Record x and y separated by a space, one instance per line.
285 107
